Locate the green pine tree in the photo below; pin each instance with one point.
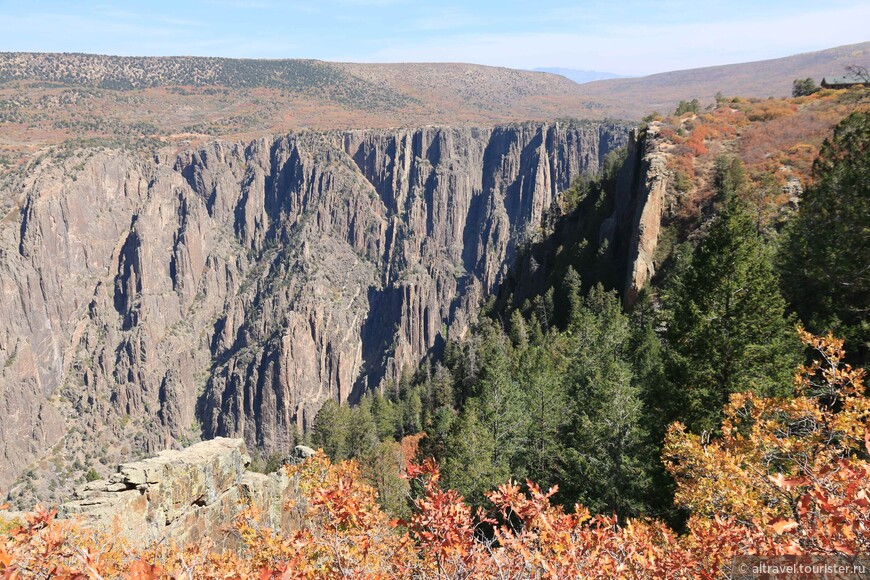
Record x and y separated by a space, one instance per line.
607 458
541 369
727 330
499 395
387 417
330 430
469 465
362 432
826 259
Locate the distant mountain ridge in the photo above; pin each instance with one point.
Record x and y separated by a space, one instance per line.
580 76
47 99
418 93
310 77
635 97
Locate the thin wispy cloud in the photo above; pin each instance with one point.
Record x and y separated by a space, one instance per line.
141 19
371 2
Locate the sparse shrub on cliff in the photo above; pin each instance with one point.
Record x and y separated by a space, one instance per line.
266 463
693 106
683 171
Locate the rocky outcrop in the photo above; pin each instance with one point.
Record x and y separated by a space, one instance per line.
182 495
617 250
230 290
641 201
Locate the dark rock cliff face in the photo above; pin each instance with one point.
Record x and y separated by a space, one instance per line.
609 237
233 289
643 197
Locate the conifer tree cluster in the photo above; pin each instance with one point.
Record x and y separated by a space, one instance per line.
570 389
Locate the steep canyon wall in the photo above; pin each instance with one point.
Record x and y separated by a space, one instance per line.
230 290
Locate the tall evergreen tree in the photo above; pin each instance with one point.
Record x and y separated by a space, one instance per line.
492 414
439 401
608 456
541 370
387 416
469 464
412 413
827 254
499 395
330 430
727 330
382 467
649 374
362 432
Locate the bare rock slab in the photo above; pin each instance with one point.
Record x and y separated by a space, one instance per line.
185 495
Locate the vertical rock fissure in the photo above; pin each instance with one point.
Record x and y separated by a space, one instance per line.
234 289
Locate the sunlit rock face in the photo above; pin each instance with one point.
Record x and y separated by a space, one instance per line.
232 289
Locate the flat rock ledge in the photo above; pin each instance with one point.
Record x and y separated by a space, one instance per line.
185 496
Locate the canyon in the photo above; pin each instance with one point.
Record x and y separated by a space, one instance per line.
153 298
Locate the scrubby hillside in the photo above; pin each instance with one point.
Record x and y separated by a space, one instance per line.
636 97
51 99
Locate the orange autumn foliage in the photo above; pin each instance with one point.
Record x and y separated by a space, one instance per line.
786 476
411 447
792 468
776 139
695 143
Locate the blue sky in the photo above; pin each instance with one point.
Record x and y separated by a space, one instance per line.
621 37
